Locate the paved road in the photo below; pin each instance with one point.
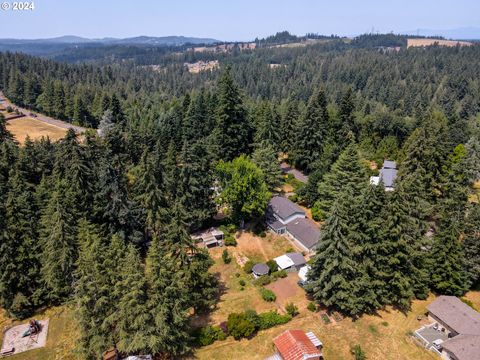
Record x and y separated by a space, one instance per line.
46 119
296 173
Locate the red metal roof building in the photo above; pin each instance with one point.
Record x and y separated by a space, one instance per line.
296 345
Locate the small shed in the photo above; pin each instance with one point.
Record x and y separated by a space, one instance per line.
260 270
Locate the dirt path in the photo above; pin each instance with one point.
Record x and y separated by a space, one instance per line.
287 169
46 119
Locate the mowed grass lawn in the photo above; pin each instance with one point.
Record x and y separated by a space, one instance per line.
34 128
61 339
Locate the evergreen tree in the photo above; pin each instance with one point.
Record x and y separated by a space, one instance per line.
58 243
288 125
93 292
266 158
312 132
471 244
336 278
19 252
232 133
347 170
450 278
346 118
131 317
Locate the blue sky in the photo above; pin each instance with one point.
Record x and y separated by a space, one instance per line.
233 20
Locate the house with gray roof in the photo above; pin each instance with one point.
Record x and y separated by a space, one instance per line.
304 232
454 332
285 217
388 174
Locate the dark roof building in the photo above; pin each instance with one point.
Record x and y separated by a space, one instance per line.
305 232
387 174
463 347
283 209
455 315
462 325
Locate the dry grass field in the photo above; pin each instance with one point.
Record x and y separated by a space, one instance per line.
61 338
382 337
36 129
429 42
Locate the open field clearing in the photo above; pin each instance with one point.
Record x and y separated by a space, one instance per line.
34 128
382 337
61 338
430 42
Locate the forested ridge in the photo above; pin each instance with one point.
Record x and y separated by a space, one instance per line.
104 220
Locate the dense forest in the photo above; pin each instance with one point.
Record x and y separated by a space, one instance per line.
88 217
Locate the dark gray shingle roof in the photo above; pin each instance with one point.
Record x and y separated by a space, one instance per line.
283 207
275 224
388 176
297 258
305 231
464 347
457 315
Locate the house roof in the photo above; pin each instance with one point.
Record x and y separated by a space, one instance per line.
275 224
283 262
260 269
388 176
456 314
297 259
464 347
388 164
305 231
295 345
283 207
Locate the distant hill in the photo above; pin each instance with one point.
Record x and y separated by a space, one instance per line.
139 40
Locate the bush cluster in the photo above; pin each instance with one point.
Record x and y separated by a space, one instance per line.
246 324
268 295
208 335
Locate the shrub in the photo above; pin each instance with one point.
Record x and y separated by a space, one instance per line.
248 266
237 275
291 309
293 198
241 282
226 257
311 306
357 352
263 234
268 295
317 213
272 265
208 335
229 240
325 318
239 326
263 280
279 274
272 318
373 329
9 109
385 323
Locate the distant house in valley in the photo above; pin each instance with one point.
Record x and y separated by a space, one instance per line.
285 217
290 261
454 331
297 345
388 174
210 238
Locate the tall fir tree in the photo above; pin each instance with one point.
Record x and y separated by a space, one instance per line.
312 132
347 170
232 134
471 244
